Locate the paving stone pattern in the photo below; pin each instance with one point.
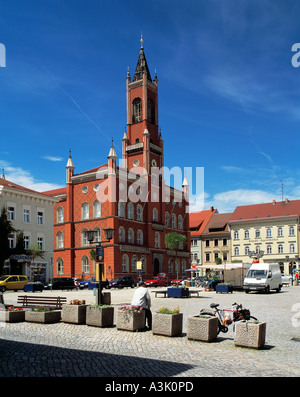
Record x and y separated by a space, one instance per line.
73 350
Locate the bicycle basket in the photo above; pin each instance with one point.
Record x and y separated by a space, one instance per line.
245 313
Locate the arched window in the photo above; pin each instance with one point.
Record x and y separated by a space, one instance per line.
97 235
170 266
125 264
280 249
173 221
150 111
247 249
292 231
59 266
133 263
139 237
60 215
85 265
236 251
280 232
292 248
269 249
167 219
121 209
246 234
139 213
84 240
180 224
130 236
97 209
236 235
157 240
144 263
183 265
154 215
59 240
121 234
85 211
137 110
130 211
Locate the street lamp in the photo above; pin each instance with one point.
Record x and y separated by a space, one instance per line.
255 254
90 235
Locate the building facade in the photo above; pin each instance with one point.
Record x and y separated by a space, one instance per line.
215 240
133 200
32 213
269 231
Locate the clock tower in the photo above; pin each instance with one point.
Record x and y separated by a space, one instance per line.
142 141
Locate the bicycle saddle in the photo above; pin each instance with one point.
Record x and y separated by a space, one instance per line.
213 305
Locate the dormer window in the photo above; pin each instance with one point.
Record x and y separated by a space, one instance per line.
137 110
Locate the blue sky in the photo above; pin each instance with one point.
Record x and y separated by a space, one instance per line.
228 92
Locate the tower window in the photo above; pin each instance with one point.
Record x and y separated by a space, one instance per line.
137 110
150 111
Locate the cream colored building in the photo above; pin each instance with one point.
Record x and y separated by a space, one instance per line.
269 231
31 212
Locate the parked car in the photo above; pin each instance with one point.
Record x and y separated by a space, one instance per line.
179 280
14 282
86 283
34 286
157 281
286 279
61 283
121 282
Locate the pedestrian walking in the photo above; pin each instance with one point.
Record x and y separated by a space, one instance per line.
141 297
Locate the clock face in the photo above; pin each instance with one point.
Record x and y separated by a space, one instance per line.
153 163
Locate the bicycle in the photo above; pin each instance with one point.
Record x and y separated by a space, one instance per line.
224 315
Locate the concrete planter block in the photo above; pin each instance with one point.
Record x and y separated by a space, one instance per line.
167 324
106 298
53 316
250 334
12 317
130 321
100 316
203 328
75 314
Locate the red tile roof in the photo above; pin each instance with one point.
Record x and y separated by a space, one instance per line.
56 192
218 224
6 183
199 220
266 210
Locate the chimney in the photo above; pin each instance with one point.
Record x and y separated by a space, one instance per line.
274 202
286 200
211 209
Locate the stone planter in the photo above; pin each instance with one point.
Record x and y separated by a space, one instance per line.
130 321
100 316
203 328
12 317
75 314
250 334
167 324
52 316
178 292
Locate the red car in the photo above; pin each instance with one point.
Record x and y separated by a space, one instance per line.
179 280
156 281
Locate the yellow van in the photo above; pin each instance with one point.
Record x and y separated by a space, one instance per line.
12 282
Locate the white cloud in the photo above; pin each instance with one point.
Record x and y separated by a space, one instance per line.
26 179
53 158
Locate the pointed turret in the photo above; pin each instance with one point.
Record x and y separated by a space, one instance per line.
112 159
70 168
142 66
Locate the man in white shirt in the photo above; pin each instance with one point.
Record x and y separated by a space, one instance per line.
141 297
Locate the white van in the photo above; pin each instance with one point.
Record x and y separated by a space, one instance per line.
263 277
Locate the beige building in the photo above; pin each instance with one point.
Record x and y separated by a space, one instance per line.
215 240
31 212
269 231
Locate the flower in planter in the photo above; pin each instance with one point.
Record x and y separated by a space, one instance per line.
11 309
166 310
42 309
77 302
130 308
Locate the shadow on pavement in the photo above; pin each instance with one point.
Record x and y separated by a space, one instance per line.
36 360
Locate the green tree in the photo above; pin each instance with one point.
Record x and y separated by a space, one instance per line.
6 229
175 241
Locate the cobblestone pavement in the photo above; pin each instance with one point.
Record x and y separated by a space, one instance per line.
70 350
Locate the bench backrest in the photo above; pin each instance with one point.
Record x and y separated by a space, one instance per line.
35 300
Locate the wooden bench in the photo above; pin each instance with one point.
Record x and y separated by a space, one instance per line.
55 302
